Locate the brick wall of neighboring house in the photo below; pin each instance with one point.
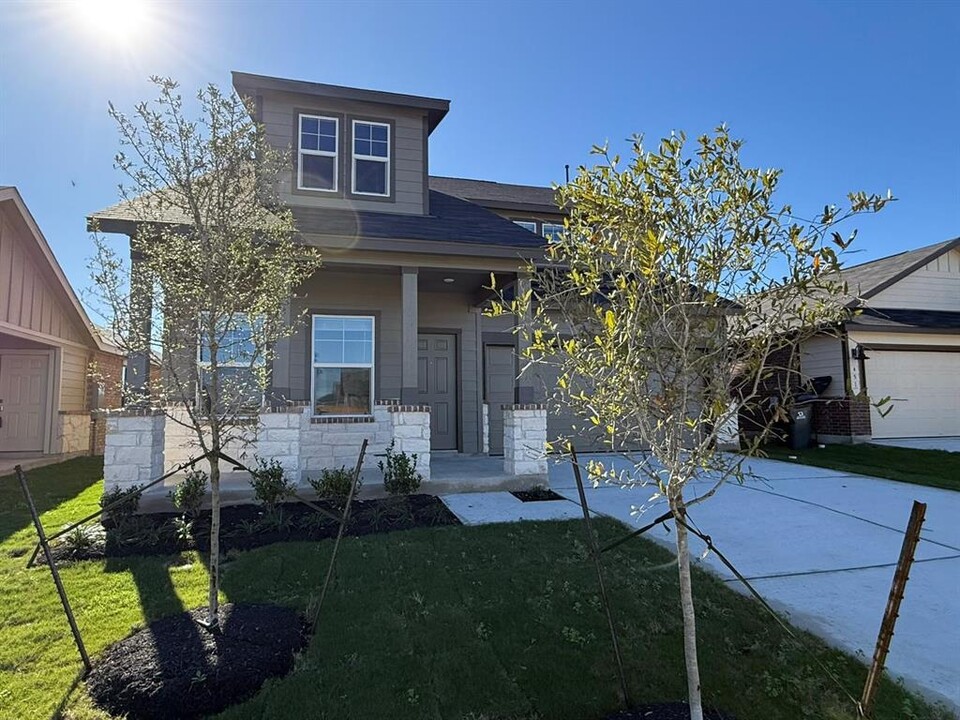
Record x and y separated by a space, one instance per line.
842 420
108 376
104 392
781 382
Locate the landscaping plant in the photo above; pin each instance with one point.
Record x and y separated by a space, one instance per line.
270 484
189 493
334 484
121 513
677 295
212 264
400 476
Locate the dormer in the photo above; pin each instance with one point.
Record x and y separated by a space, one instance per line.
349 148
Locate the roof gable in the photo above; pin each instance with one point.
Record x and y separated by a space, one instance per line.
868 279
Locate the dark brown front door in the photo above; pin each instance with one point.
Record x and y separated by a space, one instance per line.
437 387
499 378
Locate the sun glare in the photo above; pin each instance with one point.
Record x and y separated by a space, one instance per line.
122 21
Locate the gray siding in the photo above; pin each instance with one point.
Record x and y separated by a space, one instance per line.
378 294
279 116
935 286
823 355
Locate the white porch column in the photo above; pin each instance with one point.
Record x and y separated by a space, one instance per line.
133 454
523 393
525 440
410 323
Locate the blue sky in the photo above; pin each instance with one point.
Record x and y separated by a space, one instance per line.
841 95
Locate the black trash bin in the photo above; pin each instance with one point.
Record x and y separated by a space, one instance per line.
801 425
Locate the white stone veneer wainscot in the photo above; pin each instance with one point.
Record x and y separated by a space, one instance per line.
525 439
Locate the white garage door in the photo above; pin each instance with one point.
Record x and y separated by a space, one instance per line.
924 388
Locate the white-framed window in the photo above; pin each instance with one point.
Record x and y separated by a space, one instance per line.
342 356
317 153
527 225
239 363
552 231
371 158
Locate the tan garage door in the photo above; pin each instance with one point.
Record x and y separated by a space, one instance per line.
924 388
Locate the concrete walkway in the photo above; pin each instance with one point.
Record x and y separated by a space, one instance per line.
31 461
950 444
819 545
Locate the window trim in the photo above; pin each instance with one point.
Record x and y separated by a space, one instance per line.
386 161
319 153
314 365
545 225
233 364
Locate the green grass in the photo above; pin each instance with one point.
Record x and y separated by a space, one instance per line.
489 622
934 468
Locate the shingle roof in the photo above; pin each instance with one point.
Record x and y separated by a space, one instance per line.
451 219
902 319
868 279
503 196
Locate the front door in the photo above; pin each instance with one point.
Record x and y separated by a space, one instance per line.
499 378
23 399
437 387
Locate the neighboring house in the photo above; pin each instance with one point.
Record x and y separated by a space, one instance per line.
47 347
905 344
395 318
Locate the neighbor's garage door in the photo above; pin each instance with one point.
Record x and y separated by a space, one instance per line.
924 388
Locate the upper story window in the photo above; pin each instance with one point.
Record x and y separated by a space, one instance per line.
371 158
552 231
527 225
317 161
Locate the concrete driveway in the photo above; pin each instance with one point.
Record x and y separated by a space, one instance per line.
819 545
950 444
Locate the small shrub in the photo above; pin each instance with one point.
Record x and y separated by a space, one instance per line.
80 541
270 484
124 511
334 485
183 529
400 476
188 495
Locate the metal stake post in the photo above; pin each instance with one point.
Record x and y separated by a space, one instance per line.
53 570
343 525
595 553
900 577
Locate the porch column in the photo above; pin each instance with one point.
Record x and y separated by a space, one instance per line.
523 392
137 382
409 332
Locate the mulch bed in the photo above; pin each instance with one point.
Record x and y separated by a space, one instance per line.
665 711
243 527
536 495
176 669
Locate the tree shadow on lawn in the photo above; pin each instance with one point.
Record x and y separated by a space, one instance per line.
51 486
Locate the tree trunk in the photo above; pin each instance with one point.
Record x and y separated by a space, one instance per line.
689 616
213 599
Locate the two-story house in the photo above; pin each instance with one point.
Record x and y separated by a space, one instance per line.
394 318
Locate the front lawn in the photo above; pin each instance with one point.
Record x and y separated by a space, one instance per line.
934 468
449 622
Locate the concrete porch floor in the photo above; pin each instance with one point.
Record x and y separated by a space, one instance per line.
30 461
450 472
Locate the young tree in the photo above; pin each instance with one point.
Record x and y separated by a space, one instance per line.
664 308
213 266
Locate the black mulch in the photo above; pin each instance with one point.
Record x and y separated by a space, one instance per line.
243 527
665 711
536 495
176 669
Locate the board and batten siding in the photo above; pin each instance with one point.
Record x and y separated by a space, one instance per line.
823 355
935 286
408 153
27 297
74 372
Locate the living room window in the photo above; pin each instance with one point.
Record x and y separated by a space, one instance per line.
371 158
317 157
342 378
239 363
